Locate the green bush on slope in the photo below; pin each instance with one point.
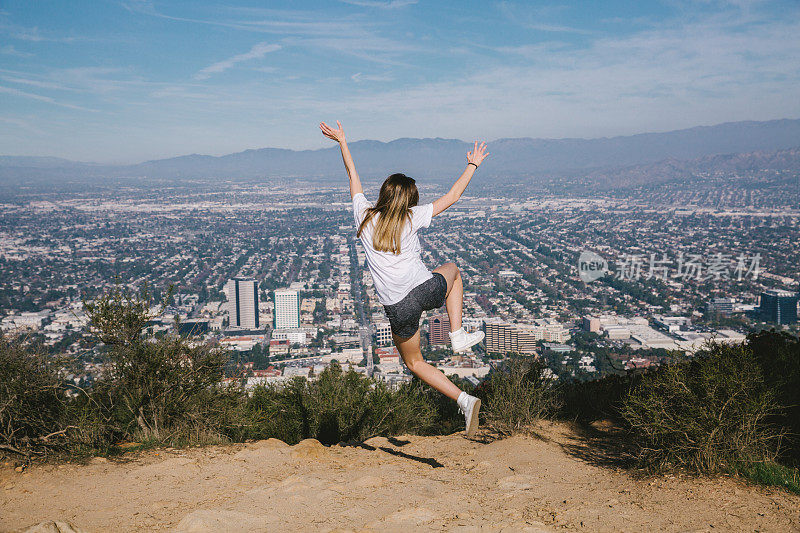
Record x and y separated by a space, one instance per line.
778 355
338 406
166 390
154 388
32 402
707 415
516 394
730 409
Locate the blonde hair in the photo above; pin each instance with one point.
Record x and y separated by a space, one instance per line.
398 195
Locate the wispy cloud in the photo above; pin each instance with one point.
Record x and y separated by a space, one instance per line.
257 52
138 6
22 124
523 69
680 74
391 4
686 72
10 50
103 84
354 35
33 34
259 20
538 18
186 92
359 77
41 98
554 28
34 83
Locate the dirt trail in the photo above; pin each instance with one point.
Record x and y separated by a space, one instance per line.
409 483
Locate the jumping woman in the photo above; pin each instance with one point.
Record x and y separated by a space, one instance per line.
404 285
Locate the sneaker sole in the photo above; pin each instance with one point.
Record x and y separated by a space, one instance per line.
468 346
472 423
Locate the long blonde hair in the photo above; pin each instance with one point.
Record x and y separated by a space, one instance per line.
398 195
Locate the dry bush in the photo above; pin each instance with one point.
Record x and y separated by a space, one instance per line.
159 390
32 401
598 399
338 406
708 415
778 354
153 388
516 395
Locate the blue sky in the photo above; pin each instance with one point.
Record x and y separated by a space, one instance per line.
129 80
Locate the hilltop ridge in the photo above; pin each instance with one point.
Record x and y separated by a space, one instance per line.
566 479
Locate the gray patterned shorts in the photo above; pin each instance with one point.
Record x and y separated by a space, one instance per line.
404 315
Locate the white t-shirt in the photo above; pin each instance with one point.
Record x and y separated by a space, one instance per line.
395 275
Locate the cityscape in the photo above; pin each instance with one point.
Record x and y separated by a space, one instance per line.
592 285
196 337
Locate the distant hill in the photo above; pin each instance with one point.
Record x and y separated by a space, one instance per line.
767 166
39 162
439 158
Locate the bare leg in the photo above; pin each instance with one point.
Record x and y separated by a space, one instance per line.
455 293
412 356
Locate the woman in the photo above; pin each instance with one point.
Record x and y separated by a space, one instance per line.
404 285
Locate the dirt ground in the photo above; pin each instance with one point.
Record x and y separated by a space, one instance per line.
564 480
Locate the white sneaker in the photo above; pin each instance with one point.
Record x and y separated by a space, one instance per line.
462 341
470 406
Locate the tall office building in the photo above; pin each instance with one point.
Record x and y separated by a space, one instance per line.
591 324
779 306
242 296
503 337
383 333
287 309
439 329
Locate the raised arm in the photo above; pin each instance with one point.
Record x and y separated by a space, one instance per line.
474 160
338 136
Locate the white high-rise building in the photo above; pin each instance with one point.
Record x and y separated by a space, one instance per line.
287 309
242 304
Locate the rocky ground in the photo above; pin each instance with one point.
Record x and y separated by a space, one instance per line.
564 479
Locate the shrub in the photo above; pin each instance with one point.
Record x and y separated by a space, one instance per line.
728 409
166 390
708 415
517 394
279 411
778 355
338 406
447 417
587 401
32 402
153 388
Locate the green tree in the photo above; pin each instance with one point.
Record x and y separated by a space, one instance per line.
151 384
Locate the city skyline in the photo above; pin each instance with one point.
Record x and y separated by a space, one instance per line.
706 257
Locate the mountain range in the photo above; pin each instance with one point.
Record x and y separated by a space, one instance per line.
436 158
775 167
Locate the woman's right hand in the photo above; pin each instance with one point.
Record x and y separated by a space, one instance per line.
330 133
478 154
